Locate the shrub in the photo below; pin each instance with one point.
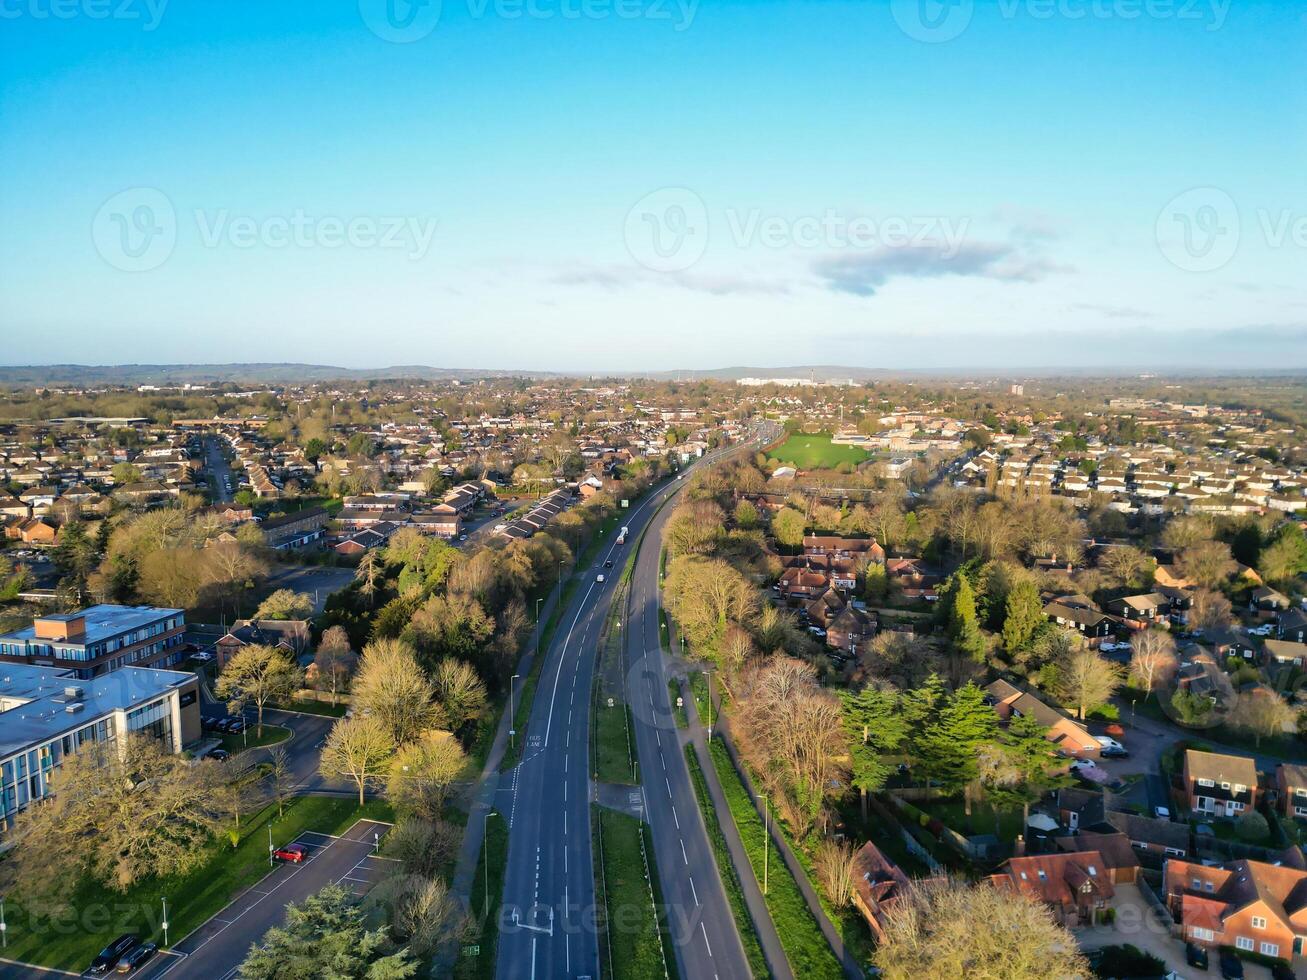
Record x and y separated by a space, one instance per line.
1252 826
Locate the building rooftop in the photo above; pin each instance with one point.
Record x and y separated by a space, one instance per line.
34 701
100 622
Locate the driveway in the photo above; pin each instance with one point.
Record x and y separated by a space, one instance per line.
1137 925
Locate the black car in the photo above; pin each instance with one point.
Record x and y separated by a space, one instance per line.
220 755
137 958
1281 970
1231 966
608 563
116 950
1107 752
236 725
1196 956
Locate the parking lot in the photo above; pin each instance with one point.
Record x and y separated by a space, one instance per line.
216 949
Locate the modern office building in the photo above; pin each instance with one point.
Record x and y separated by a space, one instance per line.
99 639
47 714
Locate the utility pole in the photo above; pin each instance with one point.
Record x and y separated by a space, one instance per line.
709 673
512 717
766 838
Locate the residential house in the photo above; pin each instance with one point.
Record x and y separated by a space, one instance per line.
1065 733
300 529
1219 785
1076 886
1118 855
850 629
1090 622
1140 611
291 635
1252 906
1292 625
1152 834
1291 781
877 884
1285 652
1078 808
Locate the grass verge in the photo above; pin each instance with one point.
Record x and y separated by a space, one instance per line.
726 869
632 933
311 706
96 915
614 762
476 959
805 947
251 739
678 711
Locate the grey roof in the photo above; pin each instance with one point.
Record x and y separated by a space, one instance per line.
38 700
101 622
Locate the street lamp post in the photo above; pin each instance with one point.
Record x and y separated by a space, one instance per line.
165 920
766 838
538 601
270 847
4 926
709 673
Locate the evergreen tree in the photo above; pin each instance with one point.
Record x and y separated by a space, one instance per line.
326 936
963 626
947 743
1024 616
875 726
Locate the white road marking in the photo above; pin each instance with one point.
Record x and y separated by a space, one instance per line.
694 891
704 930
683 857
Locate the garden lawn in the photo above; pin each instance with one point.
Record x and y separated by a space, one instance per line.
251 739
98 915
613 748
636 950
952 813
476 960
816 452
806 948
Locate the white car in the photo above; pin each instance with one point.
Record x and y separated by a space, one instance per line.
1109 743
202 657
1162 812
600 578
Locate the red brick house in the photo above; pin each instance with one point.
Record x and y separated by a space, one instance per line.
1291 781
1219 785
1076 886
851 627
877 884
1252 906
1068 734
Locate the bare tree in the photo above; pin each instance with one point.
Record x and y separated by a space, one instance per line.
360 750
280 778
392 688
1209 611
1154 659
1207 564
1262 712
948 928
460 692
424 773
834 863
334 660
257 675
1086 680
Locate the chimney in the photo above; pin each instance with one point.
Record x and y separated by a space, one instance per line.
1019 848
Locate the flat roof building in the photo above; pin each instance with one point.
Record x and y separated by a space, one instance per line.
47 714
99 639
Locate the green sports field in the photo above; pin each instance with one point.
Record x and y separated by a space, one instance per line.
815 452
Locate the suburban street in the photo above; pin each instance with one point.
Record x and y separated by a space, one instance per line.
215 464
547 921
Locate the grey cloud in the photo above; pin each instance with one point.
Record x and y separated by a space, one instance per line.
862 273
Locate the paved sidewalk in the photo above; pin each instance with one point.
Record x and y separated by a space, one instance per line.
770 940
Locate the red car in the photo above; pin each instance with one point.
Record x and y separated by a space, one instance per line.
291 853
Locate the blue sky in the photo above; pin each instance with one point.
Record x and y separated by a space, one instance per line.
654 184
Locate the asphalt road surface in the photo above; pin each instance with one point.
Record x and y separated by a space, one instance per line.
217 948
547 921
217 467
699 915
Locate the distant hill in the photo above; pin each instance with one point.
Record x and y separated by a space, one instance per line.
290 373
